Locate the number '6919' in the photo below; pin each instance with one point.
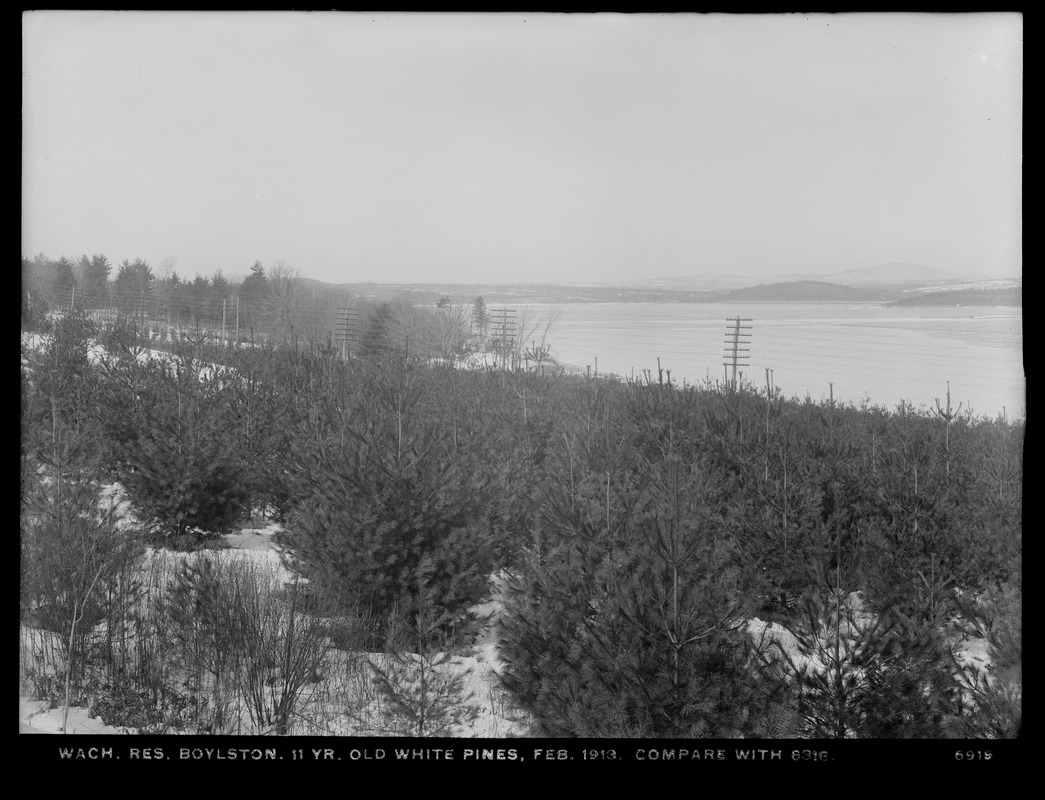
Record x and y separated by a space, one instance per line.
972 755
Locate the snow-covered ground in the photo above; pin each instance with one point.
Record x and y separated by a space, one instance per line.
493 717
967 286
493 714
36 716
96 353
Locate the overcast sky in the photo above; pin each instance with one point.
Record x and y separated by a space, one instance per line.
524 147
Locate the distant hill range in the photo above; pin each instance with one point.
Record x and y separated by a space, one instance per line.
895 274
974 293
898 283
805 291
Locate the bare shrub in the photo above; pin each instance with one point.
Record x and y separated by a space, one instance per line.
73 560
245 645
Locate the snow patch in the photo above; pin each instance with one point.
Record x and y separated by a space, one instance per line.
37 716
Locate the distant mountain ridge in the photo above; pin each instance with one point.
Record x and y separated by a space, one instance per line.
900 274
894 273
798 291
884 283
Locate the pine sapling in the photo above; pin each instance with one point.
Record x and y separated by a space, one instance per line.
423 690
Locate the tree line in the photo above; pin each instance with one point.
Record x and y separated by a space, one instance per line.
274 304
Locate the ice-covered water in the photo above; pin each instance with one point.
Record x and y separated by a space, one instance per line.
867 351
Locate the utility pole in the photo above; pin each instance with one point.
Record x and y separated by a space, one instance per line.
346 329
504 337
503 323
734 353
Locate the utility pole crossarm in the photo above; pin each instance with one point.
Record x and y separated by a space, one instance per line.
733 350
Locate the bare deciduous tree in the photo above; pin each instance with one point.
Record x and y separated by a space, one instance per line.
285 292
166 284
411 330
534 330
454 320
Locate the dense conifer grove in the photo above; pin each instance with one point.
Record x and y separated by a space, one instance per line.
640 528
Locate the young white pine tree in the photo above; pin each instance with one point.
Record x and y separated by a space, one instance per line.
421 685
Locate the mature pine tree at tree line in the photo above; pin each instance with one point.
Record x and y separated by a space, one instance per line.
92 281
640 526
253 294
